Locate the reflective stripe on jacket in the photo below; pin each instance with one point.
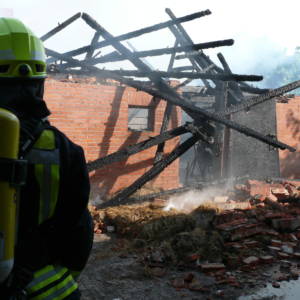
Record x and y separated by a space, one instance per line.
45 157
51 282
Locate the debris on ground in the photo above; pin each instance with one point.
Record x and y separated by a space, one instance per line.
228 244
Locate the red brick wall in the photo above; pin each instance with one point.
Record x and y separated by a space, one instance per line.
288 131
95 117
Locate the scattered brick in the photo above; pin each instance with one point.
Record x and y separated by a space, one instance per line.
274 250
276 243
293 237
286 224
251 244
271 197
297 255
280 192
287 249
251 260
283 255
210 267
267 259
188 277
178 283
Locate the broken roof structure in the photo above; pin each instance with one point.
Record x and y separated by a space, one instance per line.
227 87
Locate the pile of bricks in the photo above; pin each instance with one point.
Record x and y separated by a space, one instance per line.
259 230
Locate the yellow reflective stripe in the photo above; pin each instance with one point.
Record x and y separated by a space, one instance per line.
43 271
54 188
35 285
46 140
66 286
40 276
64 292
47 173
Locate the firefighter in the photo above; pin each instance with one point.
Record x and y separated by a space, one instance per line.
54 228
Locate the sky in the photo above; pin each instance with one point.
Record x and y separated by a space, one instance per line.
264 31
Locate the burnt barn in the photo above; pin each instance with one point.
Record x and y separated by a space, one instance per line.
130 128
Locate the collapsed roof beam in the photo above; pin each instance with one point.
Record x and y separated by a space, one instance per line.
252 90
177 100
60 27
90 52
153 172
246 104
198 67
115 56
167 114
138 32
172 96
236 92
124 153
224 77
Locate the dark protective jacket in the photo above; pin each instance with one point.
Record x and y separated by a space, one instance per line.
55 239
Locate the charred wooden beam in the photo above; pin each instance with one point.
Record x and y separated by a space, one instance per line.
156 52
198 185
172 58
181 33
115 56
177 100
185 82
164 126
262 98
138 32
187 55
179 75
183 42
167 115
183 68
236 92
223 77
136 148
172 95
252 90
90 52
124 153
153 172
60 27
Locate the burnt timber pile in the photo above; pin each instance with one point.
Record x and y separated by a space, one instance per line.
210 129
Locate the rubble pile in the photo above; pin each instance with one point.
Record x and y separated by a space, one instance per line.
253 226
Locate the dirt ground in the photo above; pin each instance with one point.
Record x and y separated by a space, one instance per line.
111 275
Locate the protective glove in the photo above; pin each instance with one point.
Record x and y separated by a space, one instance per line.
14 286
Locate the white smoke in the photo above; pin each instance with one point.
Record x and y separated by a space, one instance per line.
95 200
190 200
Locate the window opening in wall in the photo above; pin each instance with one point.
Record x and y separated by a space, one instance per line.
139 118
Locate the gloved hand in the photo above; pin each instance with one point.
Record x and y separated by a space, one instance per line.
14 286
